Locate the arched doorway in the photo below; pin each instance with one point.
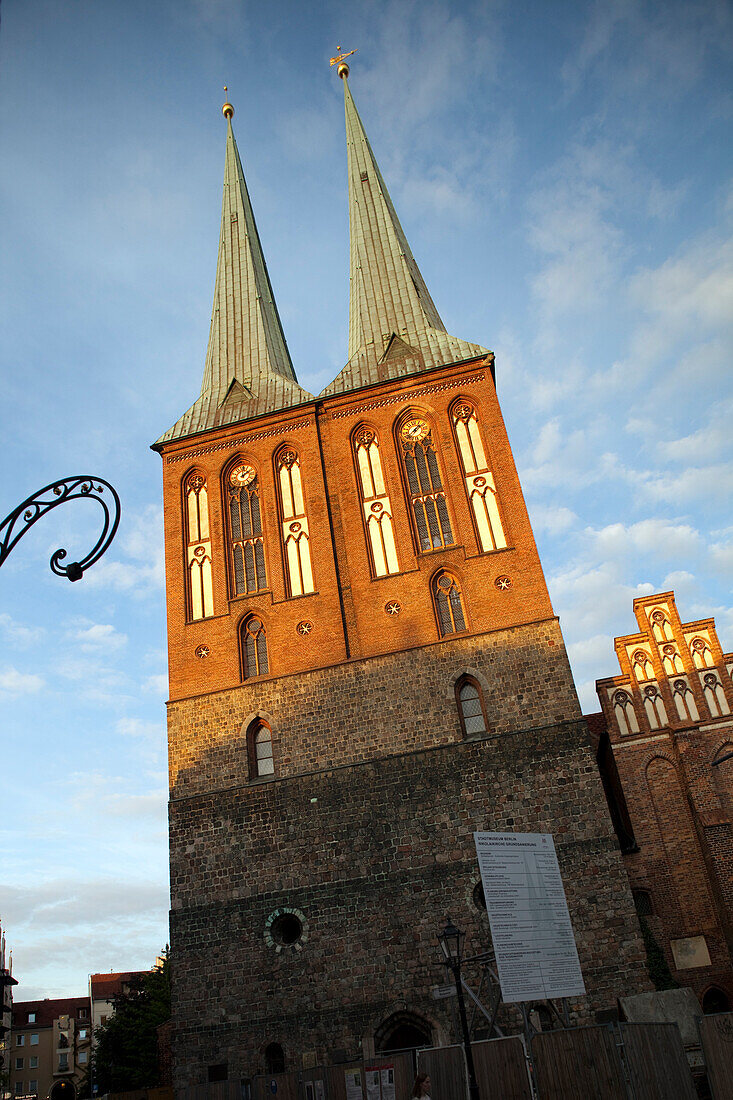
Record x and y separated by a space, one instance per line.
63 1090
715 1000
403 1031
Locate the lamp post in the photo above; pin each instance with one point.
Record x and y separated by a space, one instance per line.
83 487
451 944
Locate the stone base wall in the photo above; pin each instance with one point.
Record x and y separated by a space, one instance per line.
374 855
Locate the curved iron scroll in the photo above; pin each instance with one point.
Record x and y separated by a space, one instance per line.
14 526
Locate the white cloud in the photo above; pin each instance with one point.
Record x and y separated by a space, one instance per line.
141 540
98 637
657 537
156 685
138 727
19 683
19 635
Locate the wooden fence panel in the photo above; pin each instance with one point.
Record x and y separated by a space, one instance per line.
656 1062
404 1075
287 1086
578 1064
501 1069
336 1080
447 1069
716 1036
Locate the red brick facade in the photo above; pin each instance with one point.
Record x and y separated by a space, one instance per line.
667 719
362 830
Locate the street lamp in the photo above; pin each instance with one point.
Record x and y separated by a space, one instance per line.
84 487
451 944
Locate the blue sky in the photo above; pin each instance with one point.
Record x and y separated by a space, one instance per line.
563 173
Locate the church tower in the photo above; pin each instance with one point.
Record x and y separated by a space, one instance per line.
365 667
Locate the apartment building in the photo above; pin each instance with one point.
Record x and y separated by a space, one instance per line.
51 1047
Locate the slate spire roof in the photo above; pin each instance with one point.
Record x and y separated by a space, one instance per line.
248 369
394 327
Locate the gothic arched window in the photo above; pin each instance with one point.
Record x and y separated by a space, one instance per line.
254 648
425 485
684 700
714 695
296 539
671 660
375 502
623 708
654 707
642 665
661 626
274 1059
448 604
701 653
245 529
259 738
480 486
198 547
470 706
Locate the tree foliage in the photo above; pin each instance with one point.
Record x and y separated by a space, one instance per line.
126 1046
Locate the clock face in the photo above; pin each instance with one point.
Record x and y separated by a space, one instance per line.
242 476
414 431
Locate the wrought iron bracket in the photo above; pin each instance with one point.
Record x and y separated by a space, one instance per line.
22 518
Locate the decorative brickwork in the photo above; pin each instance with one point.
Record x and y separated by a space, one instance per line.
676 804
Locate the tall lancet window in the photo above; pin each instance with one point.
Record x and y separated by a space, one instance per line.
425 485
448 600
296 539
198 547
376 503
253 641
245 529
480 486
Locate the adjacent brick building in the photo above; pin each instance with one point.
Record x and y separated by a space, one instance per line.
365 667
665 727
51 1047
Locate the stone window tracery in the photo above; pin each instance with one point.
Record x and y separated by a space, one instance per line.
448 604
623 709
661 626
701 653
470 706
714 695
254 648
245 529
295 531
198 547
684 701
479 481
375 503
654 707
642 665
671 660
425 486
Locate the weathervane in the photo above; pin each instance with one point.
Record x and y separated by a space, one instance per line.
340 60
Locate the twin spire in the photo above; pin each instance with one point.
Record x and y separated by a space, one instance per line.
394 327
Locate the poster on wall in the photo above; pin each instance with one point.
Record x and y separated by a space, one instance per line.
371 1077
530 924
387 1075
353 1085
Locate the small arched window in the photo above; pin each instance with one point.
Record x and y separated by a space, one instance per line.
623 709
661 626
425 485
671 660
470 707
684 701
245 529
642 665
480 486
198 547
654 707
261 760
254 648
714 695
448 604
643 903
376 503
296 537
701 653
715 1000
274 1058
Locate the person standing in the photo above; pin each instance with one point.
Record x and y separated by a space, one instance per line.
421 1088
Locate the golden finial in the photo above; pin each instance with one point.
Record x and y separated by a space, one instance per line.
227 110
340 60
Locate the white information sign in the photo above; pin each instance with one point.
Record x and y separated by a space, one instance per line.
353 1084
533 938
